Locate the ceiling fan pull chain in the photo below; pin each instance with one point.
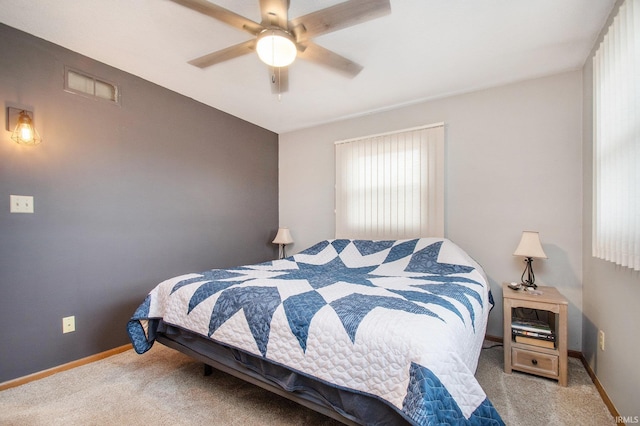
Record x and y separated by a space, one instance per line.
279 86
273 81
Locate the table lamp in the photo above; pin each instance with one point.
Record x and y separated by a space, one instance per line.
283 237
529 248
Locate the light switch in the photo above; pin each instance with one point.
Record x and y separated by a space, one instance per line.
21 204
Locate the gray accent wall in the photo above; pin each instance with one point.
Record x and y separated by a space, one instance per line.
125 196
611 293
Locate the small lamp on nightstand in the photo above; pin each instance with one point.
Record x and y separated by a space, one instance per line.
529 248
283 237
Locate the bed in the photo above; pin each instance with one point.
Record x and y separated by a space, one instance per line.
367 332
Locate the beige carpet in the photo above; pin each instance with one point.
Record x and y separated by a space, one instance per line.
164 387
526 400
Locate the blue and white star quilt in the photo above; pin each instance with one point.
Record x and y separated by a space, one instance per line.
401 320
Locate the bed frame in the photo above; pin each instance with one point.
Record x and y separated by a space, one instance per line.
358 408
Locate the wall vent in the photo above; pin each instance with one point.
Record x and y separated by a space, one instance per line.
85 84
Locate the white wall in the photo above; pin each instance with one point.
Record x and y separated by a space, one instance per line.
514 163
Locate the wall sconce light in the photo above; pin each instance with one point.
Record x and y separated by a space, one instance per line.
283 237
20 122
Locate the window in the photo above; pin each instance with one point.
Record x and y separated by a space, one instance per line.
88 85
391 186
616 138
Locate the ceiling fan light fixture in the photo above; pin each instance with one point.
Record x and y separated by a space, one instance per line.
276 47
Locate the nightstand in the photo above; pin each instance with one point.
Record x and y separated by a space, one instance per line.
533 359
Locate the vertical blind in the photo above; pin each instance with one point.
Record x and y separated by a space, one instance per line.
616 134
391 186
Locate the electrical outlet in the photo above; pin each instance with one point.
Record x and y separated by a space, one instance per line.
601 340
69 324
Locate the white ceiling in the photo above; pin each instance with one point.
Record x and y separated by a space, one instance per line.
424 49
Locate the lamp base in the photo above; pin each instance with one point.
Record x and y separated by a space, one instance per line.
528 270
281 251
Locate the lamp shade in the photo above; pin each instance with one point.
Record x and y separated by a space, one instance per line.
283 236
276 48
530 246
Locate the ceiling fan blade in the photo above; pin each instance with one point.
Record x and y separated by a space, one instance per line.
336 17
222 14
279 80
275 13
225 54
327 58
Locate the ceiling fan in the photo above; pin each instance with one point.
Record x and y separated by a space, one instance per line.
278 40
